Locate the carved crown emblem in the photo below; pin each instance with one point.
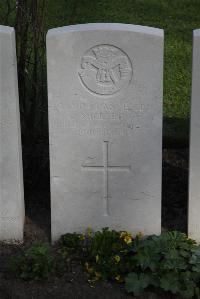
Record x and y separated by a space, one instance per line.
104 52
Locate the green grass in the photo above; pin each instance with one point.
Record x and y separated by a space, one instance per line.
177 17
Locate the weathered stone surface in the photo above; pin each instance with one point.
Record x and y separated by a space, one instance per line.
194 173
105 122
11 181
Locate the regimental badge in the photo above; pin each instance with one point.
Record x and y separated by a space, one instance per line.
105 70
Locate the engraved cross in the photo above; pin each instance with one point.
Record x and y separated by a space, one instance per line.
106 168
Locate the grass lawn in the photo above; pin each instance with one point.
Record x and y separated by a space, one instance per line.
177 17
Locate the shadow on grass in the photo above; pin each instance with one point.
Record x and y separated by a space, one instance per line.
175 189
176 132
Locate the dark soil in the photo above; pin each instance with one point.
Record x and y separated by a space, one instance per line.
75 284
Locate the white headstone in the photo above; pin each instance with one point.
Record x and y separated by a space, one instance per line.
11 181
194 173
105 122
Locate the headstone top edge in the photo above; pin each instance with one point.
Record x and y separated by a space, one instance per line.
107 27
6 29
196 32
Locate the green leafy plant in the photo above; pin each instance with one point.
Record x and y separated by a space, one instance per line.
166 263
71 245
106 254
137 283
169 262
35 263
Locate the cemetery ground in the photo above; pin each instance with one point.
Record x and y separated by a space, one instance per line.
76 283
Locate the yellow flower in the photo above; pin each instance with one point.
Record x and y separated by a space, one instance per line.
123 234
139 235
97 258
129 234
128 239
118 278
97 275
89 231
126 236
88 268
82 237
117 258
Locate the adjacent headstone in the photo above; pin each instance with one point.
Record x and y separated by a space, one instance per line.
105 121
194 172
11 181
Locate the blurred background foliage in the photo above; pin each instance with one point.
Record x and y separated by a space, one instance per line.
32 19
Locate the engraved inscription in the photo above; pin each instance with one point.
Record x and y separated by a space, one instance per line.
105 70
106 168
100 119
9 219
103 131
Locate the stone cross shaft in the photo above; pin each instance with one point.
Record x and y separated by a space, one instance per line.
106 168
